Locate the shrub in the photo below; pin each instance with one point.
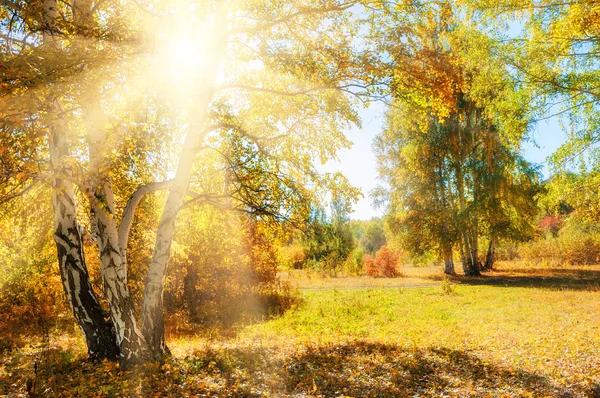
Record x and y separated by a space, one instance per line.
424 259
447 288
385 263
507 251
355 261
333 261
574 249
550 225
31 295
577 243
292 256
224 273
370 267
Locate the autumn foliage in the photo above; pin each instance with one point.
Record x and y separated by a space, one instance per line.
551 225
385 263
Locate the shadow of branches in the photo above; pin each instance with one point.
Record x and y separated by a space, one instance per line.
357 369
556 279
380 370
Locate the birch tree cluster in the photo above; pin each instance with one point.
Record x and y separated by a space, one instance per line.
109 107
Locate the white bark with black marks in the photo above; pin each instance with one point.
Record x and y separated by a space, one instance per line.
102 212
448 261
89 314
153 317
103 217
490 258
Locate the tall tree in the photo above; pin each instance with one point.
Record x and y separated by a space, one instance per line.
450 150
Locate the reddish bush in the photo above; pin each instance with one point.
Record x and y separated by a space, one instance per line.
370 267
385 264
551 224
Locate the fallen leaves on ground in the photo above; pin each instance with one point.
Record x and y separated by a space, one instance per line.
353 369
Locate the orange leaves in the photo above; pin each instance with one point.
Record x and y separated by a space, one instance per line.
426 72
385 264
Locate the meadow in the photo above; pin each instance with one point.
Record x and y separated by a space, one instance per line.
517 331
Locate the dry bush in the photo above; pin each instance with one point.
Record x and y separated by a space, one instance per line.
385 263
295 256
507 251
369 265
568 248
29 305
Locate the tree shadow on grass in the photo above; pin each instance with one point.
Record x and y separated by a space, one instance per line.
357 369
554 278
380 370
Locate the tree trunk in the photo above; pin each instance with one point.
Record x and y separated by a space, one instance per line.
129 335
466 254
98 332
470 261
153 318
103 218
93 321
448 261
490 257
102 212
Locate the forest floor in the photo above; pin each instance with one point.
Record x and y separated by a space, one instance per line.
517 331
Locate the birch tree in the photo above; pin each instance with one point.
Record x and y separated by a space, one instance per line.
449 153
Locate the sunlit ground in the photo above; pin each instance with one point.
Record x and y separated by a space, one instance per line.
524 332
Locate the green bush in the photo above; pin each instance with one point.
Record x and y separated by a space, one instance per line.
355 262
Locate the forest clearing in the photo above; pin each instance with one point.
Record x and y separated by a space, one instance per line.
519 332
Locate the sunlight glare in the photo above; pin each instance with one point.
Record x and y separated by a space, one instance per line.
183 50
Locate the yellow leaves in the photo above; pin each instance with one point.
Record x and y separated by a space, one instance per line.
21 175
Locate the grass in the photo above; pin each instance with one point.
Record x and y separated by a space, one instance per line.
517 332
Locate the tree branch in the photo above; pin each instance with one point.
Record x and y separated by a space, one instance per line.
130 207
206 198
302 12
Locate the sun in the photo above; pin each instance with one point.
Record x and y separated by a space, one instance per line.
183 48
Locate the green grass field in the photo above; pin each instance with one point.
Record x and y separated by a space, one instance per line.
516 332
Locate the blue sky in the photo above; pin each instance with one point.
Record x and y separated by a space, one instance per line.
358 164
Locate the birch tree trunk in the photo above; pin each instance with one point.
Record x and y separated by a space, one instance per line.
448 261
475 263
490 257
103 218
102 213
153 324
467 249
446 240
122 311
469 252
90 316
92 320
